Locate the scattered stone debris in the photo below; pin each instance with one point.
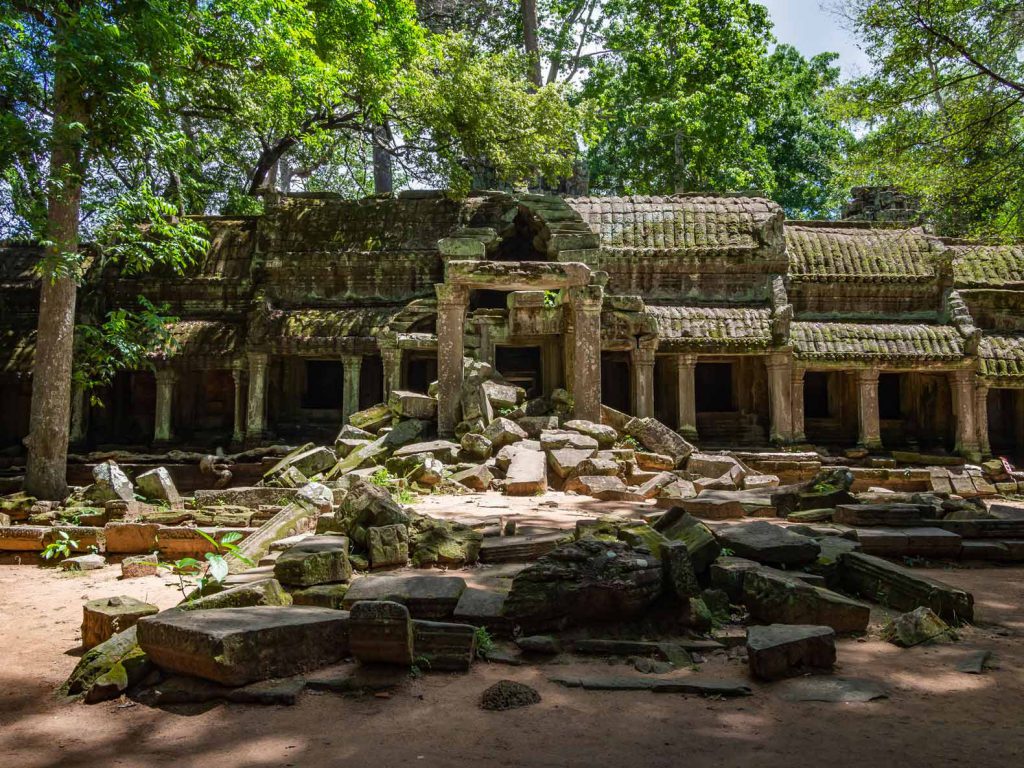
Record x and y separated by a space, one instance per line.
508 694
918 627
787 650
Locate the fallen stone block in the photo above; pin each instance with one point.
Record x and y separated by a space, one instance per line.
476 447
322 596
157 484
443 450
711 465
918 627
484 608
680 576
502 432
104 618
109 669
768 543
23 538
83 563
262 591
412 405
527 474
109 483
535 425
566 461
517 549
713 508
371 419
236 646
380 632
602 487
137 566
898 587
315 560
313 460
777 598
426 597
555 439
728 573
657 438
476 478
788 650
389 546
654 462
441 646
606 436
678 525
881 514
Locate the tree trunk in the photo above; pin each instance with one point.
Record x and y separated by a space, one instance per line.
531 40
50 415
383 173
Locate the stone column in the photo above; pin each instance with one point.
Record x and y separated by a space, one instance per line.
451 320
780 397
391 358
585 305
238 427
256 421
643 381
799 435
79 406
350 393
867 408
981 415
686 392
963 403
163 431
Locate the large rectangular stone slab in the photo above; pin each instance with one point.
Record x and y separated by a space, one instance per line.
314 560
380 632
777 598
516 549
442 646
235 646
788 650
898 587
527 474
881 514
426 597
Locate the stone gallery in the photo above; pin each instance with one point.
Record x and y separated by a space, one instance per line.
460 430
712 314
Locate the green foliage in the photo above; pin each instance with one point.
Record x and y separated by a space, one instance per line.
942 111
60 548
196 573
629 442
484 642
552 299
125 340
396 486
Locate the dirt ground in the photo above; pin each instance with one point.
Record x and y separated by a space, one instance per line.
934 715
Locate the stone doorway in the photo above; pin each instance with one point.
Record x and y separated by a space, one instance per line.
206 402
830 407
915 411
616 381
1006 422
731 398
420 371
129 413
521 366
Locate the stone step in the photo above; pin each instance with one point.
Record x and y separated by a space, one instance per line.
984 529
777 598
883 514
898 587
442 646
426 597
910 542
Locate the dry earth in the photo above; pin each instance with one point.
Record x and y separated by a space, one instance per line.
934 716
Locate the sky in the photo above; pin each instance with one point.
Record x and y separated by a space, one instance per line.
812 28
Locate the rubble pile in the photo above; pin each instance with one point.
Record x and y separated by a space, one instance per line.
682 554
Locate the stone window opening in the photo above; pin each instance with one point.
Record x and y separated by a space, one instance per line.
420 371
487 299
325 383
371 380
517 243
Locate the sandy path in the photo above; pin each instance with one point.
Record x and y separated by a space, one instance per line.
935 716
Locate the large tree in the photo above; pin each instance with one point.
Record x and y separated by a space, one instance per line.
942 110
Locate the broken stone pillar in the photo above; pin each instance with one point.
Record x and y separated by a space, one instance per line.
780 383
391 357
585 305
451 318
870 435
797 395
643 380
686 366
162 431
256 422
350 392
981 417
962 382
238 423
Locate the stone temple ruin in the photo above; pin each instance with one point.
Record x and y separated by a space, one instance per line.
521 382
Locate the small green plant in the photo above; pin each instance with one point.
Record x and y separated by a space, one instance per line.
726 552
824 488
382 478
552 299
192 572
60 548
629 442
505 410
484 643
418 664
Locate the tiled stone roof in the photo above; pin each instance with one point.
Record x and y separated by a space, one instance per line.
1002 356
657 225
713 327
327 329
823 253
875 341
990 266
203 337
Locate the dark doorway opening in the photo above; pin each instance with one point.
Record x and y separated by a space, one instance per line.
1006 421
666 391
816 400
616 382
371 381
521 366
713 385
420 371
325 381
890 406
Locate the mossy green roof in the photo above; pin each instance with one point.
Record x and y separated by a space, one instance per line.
656 225
712 327
827 254
202 337
1001 356
988 266
875 341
